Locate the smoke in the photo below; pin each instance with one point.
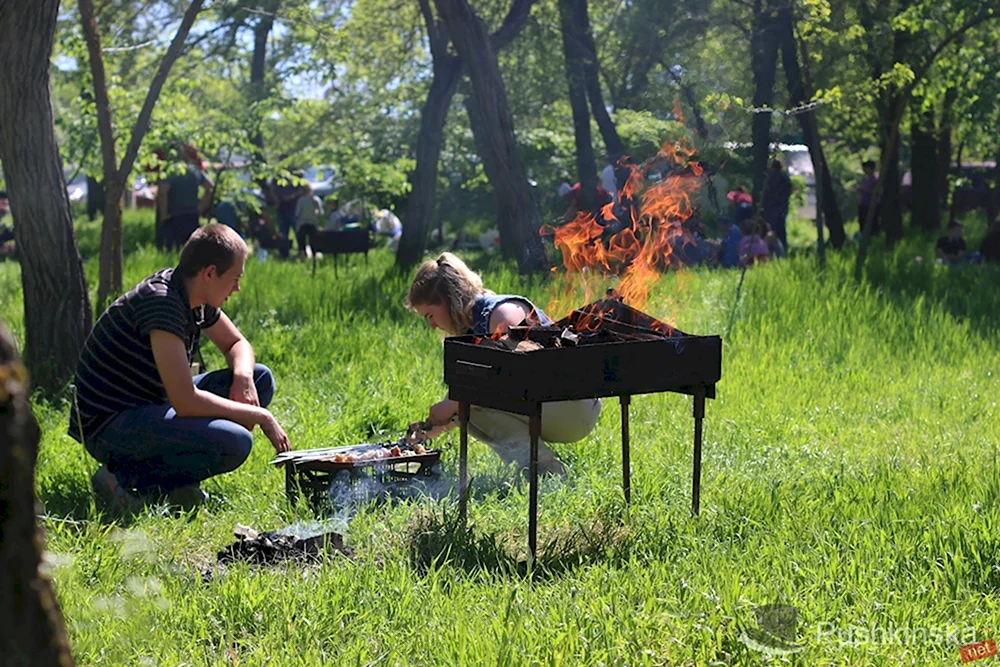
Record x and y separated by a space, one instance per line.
350 491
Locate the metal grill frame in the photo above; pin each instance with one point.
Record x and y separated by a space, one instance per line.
519 382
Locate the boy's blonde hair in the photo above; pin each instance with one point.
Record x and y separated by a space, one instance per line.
447 280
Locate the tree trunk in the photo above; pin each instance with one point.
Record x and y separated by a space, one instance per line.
612 140
57 314
258 68
944 144
994 202
447 75
798 95
111 228
764 61
574 52
33 631
480 136
952 208
891 213
116 176
510 184
420 204
925 206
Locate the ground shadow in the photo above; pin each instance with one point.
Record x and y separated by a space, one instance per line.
968 292
65 494
439 538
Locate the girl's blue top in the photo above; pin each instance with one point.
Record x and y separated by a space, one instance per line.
483 306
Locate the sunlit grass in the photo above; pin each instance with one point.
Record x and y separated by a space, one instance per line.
850 470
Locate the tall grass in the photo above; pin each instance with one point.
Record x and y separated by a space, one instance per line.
850 470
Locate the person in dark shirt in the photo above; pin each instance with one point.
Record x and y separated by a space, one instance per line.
729 247
990 249
777 193
951 248
137 409
178 200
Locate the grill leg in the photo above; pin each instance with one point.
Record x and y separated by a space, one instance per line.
535 430
699 416
626 460
291 483
463 460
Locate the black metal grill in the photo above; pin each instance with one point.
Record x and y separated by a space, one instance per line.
604 349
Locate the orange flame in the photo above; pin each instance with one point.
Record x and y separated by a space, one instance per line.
639 246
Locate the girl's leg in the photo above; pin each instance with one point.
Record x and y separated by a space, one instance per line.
570 421
507 433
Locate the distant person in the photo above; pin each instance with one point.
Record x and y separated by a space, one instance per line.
308 212
95 198
138 411
690 247
951 248
740 205
6 231
336 219
226 214
866 190
388 224
729 243
777 193
308 208
608 181
990 249
178 200
753 247
571 195
286 198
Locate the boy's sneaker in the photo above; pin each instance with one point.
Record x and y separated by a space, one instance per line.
109 489
187 497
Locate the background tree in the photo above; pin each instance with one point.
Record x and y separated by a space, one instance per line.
571 17
798 94
116 175
515 204
57 314
447 70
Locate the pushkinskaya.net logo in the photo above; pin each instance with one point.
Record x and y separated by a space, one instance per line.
889 633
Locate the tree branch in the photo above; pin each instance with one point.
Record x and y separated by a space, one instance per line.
512 23
142 122
88 21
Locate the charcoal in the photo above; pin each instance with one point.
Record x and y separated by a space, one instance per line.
272 547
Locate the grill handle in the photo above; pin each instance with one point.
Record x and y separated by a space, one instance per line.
473 369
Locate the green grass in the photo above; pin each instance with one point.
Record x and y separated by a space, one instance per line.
850 470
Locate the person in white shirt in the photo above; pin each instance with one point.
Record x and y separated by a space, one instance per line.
308 209
335 218
608 181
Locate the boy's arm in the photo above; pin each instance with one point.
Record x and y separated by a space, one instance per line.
186 399
239 357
